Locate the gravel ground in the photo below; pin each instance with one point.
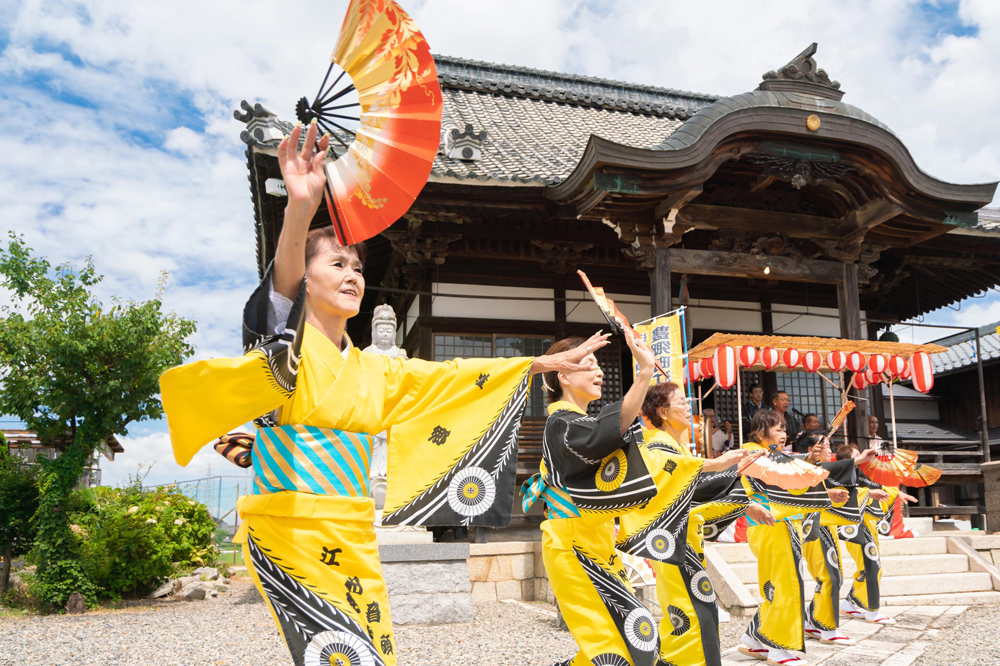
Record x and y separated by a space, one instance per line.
972 639
226 632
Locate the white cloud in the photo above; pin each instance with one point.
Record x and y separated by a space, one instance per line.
119 140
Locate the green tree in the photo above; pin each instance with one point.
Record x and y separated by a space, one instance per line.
18 503
69 365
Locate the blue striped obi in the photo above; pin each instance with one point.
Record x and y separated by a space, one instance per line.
307 459
558 501
765 502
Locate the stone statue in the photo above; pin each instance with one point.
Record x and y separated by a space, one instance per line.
383 342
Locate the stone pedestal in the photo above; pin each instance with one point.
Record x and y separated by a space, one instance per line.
991 485
428 583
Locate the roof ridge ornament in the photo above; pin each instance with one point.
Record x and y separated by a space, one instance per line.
802 74
466 145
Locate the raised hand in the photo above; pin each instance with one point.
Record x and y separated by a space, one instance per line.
303 170
640 352
571 360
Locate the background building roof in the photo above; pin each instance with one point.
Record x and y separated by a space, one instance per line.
962 349
537 123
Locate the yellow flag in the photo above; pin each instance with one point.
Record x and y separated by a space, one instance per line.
663 335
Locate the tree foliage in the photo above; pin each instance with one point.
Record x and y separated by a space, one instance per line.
18 504
70 365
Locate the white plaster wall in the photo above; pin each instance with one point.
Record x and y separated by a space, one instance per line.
411 314
487 308
587 312
717 316
807 324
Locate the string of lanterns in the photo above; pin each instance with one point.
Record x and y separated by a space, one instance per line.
725 362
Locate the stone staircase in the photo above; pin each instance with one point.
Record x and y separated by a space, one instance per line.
926 571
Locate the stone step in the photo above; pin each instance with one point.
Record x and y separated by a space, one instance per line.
895 565
960 599
735 553
914 586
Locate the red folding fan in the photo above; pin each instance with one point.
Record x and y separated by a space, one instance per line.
922 476
890 466
385 161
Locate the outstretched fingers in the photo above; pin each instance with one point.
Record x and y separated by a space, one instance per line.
310 142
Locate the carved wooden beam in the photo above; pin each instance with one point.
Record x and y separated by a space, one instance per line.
795 225
734 264
675 200
857 222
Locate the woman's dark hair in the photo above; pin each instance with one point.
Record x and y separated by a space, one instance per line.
551 385
316 238
808 439
762 422
657 396
844 451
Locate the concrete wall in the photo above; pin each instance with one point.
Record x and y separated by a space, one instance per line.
428 583
508 570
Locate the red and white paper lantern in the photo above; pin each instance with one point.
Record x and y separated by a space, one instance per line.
791 357
856 362
897 366
706 367
748 356
725 366
872 377
693 371
923 372
878 363
769 357
859 381
907 371
836 360
811 361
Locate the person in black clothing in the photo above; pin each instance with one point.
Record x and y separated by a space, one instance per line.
780 403
756 402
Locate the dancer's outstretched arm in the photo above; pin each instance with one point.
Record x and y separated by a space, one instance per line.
305 182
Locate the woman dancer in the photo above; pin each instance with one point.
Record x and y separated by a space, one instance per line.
821 547
591 471
307 531
777 629
689 633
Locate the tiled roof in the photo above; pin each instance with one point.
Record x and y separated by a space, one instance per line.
989 220
538 122
962 349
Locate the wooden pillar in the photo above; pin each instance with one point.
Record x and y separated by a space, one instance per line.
559 291
660 299
876 396
768 380
849 306
425 346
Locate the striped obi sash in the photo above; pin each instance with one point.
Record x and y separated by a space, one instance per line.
558 501
307 459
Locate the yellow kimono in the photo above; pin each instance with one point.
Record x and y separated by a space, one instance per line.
779 621
670 534
307 531
821 549
586 480
862 545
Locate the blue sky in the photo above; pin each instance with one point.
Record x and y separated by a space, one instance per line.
120 141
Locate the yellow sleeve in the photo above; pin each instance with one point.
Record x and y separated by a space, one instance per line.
207 399
676 477
453 439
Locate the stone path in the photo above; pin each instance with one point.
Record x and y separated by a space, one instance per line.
900 644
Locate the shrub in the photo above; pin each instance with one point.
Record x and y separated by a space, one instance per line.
132 539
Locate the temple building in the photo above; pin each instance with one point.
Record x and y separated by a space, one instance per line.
783 210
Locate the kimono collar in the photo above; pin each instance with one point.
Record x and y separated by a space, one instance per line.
657 435
328 354
564 404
